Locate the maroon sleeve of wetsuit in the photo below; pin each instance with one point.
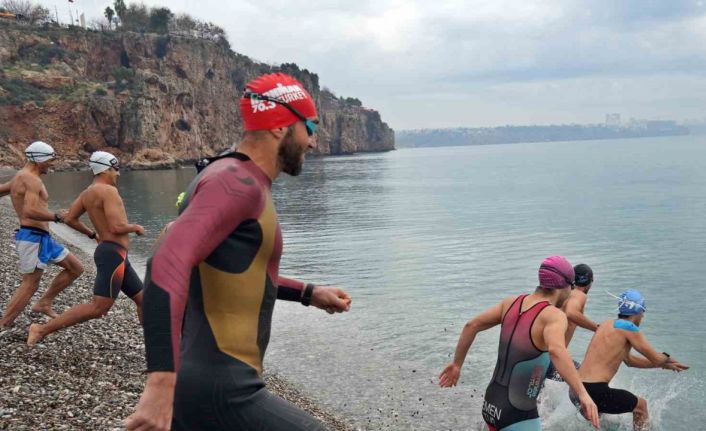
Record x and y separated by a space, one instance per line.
289 289
219 203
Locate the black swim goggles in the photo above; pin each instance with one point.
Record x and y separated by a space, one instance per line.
114 163
32 155
311 125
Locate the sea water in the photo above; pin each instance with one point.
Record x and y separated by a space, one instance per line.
424 239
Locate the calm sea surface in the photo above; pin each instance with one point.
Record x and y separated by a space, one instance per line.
424 239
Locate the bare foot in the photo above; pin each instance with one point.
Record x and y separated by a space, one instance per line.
35 334
44 309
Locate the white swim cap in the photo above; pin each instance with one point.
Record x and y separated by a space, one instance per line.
102 161
39 152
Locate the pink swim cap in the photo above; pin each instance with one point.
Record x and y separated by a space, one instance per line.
556 273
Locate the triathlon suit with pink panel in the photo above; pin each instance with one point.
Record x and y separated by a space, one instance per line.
510 402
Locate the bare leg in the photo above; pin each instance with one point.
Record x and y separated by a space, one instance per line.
76 314
21 297
640 417
72 270
138 303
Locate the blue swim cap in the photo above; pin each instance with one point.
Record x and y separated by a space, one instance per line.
631 303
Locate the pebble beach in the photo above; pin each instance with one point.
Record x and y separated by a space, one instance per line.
90 376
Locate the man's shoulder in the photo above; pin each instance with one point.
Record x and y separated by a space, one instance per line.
27 177
234 165
25 180
576 297
100 192
236 176
553 314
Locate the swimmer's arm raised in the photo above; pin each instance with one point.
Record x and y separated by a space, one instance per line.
574 312
71 218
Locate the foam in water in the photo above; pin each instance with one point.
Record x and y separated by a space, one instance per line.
558 413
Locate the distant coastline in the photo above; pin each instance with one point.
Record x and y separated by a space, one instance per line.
519 134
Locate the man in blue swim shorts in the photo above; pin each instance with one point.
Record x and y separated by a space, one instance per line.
35 245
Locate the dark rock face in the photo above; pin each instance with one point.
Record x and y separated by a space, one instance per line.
154 101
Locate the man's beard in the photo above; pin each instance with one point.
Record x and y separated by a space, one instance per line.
290 155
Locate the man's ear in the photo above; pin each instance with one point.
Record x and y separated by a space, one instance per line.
279 132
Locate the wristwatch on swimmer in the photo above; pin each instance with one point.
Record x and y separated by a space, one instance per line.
668 359
93 235
58 218
306 296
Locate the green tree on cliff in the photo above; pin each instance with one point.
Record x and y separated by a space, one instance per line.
136 18
120 8
159 20
109 14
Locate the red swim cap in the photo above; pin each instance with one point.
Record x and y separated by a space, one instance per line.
261 114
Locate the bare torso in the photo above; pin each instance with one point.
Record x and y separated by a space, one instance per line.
24 183
607 350
94 200
577 298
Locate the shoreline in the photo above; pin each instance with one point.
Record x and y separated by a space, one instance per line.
89 376
7 170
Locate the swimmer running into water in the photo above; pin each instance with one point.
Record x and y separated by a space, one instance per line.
573 308
532 331
610 346
114 273
35 245
215 276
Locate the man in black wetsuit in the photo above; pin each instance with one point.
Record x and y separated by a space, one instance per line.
219 260
532 331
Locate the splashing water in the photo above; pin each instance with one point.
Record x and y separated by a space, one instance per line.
558 412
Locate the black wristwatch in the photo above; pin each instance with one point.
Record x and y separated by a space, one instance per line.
57 218
92 235
306 296
666 354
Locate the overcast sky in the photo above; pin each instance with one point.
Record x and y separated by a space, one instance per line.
473 63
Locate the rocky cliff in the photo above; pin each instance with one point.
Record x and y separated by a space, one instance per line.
154 100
